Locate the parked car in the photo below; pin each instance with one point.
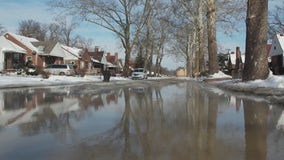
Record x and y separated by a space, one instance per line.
60 69
139 73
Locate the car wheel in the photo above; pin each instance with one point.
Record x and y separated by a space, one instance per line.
62 73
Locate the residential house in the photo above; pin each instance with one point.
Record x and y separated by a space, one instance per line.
73 56
113 63
276 54
102 61
52 52
49 52
15 51
96 58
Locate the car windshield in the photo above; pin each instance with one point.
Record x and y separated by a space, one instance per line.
139 70
71 66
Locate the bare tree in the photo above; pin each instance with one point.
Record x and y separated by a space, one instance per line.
153 36
54 32
276 20
66 28
211 31
82 42
188 31
32 28
229 14
2 30
114 15
256 66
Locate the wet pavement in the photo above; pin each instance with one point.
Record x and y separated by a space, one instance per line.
145 120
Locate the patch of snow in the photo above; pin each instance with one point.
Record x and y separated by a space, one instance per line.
220 75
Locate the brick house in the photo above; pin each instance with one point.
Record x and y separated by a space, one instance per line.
16 50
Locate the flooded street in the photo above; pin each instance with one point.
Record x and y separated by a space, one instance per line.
150 121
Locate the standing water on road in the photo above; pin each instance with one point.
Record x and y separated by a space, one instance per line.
150 121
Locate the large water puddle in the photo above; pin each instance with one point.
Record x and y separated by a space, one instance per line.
175 121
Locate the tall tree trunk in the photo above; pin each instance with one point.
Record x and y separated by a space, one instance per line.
200 50
127 46
256 65
212 44
188 58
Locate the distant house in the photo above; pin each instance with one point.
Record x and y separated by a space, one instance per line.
96 58
276 54
181 72
113 63
236 63
103 61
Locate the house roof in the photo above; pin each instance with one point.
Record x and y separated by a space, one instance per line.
8 46
96 55
111 58
27 41
71 53
44 48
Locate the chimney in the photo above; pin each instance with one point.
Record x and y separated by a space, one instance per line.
116 56
96 49
238 53
238 58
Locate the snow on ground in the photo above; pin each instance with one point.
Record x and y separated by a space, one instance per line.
7 81
273 81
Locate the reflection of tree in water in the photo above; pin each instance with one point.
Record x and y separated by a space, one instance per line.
45 120
124 140
48 121
256 124
148 131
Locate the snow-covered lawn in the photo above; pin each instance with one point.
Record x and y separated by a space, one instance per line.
6 81
273 81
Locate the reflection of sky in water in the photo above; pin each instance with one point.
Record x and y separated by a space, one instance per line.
96 122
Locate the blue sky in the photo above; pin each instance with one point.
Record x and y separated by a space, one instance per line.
14 11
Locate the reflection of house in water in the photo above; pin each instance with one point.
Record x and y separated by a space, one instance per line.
20 106
31 106
16 100
99 100
51 117
112 97
91 101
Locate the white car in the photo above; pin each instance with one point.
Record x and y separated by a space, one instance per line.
60 69
139 73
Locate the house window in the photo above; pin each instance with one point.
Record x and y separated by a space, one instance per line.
29 58
274 47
